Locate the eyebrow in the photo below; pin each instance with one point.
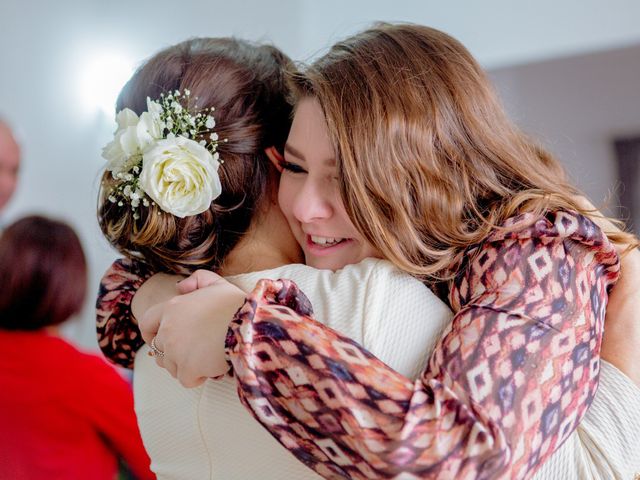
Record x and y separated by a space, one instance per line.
331 162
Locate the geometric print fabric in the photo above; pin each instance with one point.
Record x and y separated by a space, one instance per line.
506 385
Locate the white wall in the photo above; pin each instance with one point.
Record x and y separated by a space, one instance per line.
498 32
576 106
46 47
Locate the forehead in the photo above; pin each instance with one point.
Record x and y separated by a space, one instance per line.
309 135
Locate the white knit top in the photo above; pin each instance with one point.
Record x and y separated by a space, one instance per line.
205 432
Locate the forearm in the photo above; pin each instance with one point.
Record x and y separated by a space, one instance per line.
298 376
335 405
225 307
117 332
520 358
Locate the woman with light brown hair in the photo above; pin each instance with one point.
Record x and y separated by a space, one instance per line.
191 182
435 177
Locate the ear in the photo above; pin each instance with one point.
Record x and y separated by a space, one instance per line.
275 156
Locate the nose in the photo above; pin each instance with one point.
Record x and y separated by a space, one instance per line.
314 201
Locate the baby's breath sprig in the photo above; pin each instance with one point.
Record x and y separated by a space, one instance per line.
129 189
179 122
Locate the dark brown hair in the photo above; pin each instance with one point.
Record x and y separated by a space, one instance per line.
428 161
246 84
43 273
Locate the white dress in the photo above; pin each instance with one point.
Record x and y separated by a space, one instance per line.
206 433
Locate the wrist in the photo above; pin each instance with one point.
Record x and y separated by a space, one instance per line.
155 289
225 308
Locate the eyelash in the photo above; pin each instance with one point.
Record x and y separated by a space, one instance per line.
295 168
292 167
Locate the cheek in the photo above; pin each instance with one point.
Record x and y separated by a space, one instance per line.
341 213
286 197
366 250
373 252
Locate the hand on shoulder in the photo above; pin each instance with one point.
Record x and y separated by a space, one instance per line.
190 330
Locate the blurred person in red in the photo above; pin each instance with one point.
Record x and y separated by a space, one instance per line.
64 414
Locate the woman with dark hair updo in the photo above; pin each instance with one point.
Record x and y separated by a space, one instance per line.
64 414
191 182
399 148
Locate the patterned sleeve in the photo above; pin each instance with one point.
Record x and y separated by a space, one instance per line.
506 385
118 334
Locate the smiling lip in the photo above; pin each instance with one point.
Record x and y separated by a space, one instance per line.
320 251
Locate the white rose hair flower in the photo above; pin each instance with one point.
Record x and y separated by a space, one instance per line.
123 148
156 156
181 176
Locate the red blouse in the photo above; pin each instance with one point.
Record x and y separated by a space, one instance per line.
64 414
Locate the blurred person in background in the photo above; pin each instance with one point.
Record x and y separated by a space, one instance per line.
9 163
64 414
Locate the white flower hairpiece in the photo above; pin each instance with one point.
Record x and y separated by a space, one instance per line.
156 156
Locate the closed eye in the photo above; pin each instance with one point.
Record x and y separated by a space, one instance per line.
292 167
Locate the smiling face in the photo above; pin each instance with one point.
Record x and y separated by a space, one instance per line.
309 194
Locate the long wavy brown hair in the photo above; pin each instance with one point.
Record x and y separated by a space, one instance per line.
247 85
428 161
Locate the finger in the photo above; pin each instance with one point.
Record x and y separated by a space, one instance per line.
159 360
169 365
189 376
198 279
188 285
150 323
190 381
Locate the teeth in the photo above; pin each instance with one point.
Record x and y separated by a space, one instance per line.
325 241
